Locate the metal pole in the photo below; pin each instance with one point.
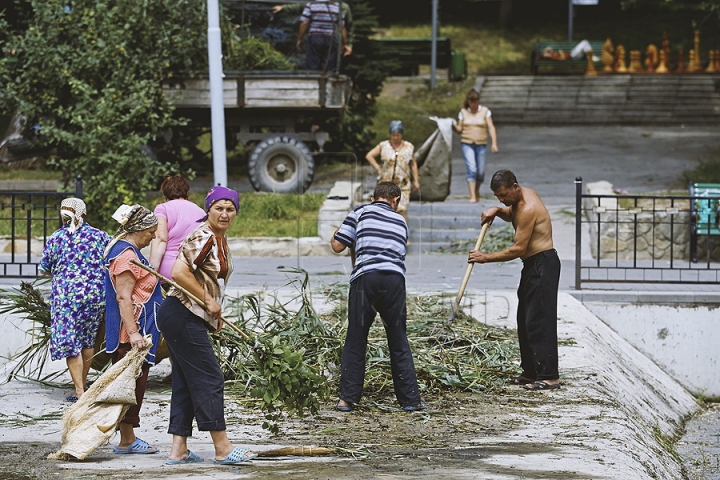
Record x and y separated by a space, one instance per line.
578 231
217 106
570 20
433 47
78 187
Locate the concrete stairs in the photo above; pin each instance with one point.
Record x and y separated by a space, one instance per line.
604 99
444 225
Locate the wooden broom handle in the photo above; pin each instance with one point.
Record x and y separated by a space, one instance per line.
190 295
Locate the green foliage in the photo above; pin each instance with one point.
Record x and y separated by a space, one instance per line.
91 74
367 67
284 382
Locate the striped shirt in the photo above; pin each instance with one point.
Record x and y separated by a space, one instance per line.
322 17
379 235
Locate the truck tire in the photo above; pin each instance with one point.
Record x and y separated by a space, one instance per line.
281 164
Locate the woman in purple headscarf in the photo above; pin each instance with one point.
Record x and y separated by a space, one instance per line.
197 381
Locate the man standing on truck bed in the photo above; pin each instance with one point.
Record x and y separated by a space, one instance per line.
319 20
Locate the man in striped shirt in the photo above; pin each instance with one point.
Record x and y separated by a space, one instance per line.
378 236
321 20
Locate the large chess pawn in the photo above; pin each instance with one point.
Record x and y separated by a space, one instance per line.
662 66
607 56
620 64
692 63
590 72
681 62
635 65
711 62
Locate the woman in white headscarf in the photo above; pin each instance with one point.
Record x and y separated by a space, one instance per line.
73 256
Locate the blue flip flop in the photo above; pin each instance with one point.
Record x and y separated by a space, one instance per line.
236 457
71 399
191 458
138 446
343 408
414 408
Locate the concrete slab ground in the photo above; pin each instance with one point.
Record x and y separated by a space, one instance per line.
607 422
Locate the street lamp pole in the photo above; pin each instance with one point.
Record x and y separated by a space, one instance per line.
217 105
433 48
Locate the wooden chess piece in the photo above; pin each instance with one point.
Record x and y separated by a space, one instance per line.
607 56
635 65
711 62
717 60
590 72
651 59
662 65
620 66
697 67
692 64
681 62
665 47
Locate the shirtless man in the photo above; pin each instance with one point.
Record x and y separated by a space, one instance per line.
537 293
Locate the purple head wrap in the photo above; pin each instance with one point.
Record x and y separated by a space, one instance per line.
219 192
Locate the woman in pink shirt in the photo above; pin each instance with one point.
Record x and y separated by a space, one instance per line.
176 219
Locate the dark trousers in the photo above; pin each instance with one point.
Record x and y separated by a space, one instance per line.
132 416
321 53
537 316
197 381
372 293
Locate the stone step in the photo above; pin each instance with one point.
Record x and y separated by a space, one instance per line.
624 99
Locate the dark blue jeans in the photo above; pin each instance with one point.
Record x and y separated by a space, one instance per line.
321 53
197 381
537 316
383 293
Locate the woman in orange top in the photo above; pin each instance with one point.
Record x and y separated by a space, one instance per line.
133 295
474 125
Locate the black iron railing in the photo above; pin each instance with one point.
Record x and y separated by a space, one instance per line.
643 239
27 219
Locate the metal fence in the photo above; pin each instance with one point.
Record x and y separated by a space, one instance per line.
27 219
643 239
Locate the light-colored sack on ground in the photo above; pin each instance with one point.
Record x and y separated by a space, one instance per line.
434 160
94 418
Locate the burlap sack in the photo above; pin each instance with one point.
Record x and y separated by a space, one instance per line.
94 418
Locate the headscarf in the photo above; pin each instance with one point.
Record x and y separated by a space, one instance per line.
72 212
217 193
132 219
396 126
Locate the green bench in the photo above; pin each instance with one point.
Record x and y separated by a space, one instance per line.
407 54
537 61
704 214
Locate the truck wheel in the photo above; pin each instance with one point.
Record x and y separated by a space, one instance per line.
281 164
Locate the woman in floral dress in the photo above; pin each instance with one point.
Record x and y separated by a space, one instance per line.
398 164
73 256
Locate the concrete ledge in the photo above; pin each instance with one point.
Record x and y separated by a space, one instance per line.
651 298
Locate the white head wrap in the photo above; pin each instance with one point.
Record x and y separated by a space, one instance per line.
72 211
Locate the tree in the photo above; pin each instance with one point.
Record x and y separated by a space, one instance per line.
90 76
